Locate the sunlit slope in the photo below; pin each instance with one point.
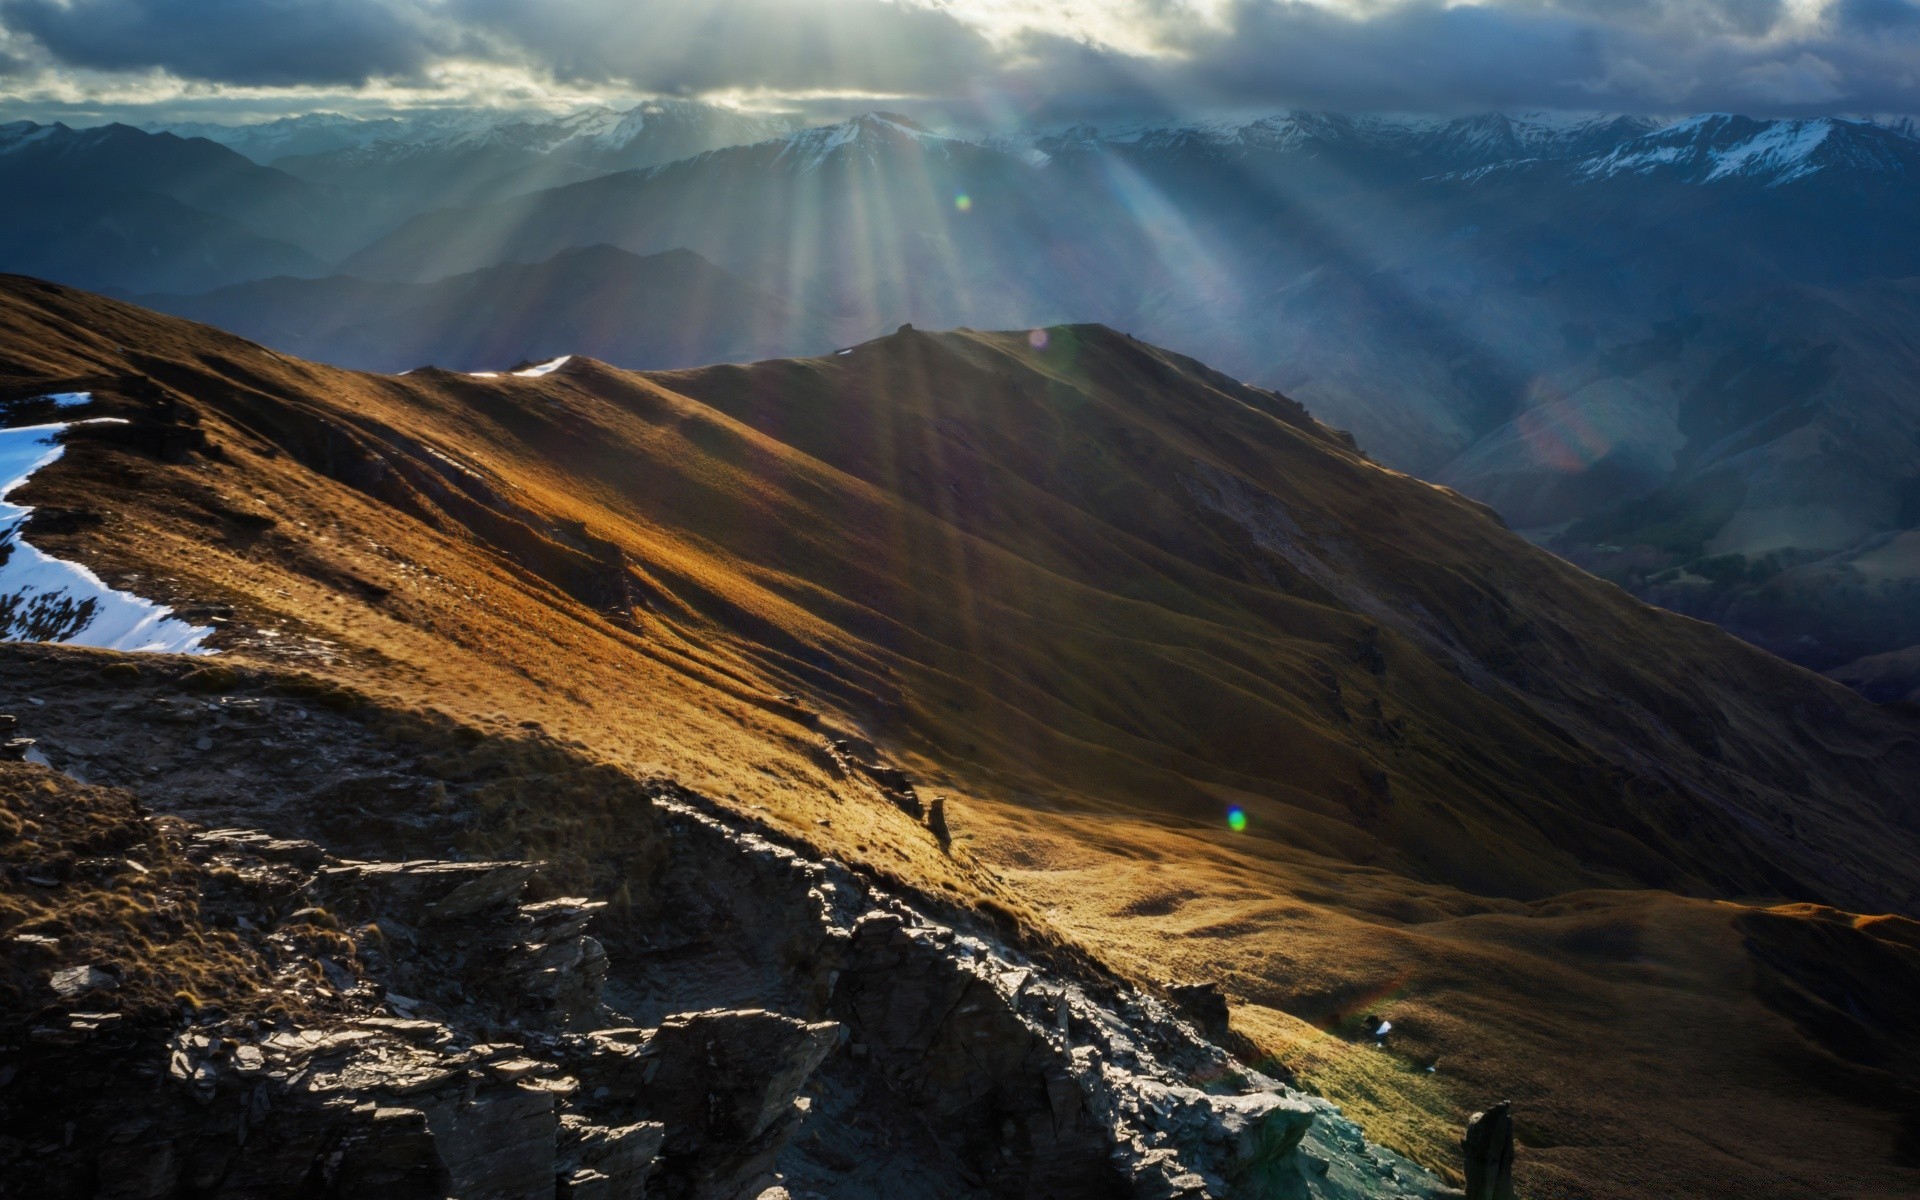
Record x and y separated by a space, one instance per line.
1126 579
1096 595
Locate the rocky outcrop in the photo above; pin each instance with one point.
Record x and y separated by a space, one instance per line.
487 1095
1204 1003
726 1018
1488 1146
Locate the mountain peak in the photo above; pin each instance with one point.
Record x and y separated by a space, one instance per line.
1720 147
864 137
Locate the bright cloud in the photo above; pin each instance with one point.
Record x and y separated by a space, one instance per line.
988 58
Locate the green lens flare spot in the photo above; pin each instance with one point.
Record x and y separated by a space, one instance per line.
1237 820
963 202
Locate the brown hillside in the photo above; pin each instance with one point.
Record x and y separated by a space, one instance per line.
1096 595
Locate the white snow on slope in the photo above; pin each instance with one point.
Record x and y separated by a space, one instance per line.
862 137
545 368
1782 150
45 599
1717 146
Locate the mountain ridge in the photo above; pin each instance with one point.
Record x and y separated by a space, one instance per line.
1445 317
1091 597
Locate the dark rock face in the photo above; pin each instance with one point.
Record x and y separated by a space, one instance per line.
1204 1002
945 1038
485 1100
1488 1145
725 1084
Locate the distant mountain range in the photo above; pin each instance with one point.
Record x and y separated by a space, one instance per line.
673 309
115 207
1676 352
405 166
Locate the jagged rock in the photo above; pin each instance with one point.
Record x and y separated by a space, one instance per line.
567 975
971 1070
391 1152
1488 1146
71 983
947 1042
428 891
501 1143
295 851
725 1085
601 1163
937 821
1259 1132
558 920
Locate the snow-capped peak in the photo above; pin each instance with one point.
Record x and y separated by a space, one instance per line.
1720 147
1434 143
865 136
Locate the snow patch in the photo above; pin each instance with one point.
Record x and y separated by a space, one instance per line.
46 599
1715 146
1783 149
545 368
865 136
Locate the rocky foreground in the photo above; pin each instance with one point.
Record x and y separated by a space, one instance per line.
208 1010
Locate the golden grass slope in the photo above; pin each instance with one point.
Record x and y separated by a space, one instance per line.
1096 595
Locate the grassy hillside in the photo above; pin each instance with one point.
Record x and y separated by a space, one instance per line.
1198 686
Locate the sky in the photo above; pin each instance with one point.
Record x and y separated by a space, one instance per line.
969 61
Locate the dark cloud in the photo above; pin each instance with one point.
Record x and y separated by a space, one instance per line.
1657 56
265 42
1653 56
1878 16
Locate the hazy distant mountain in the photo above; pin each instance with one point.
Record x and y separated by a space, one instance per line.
1366 150
188 206
430 165
310 133
113 206
1561 315
1447 290
668 310
864 220
1387 272
1756 465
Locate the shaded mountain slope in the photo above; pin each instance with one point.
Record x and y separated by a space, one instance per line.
117 207
862 220
673 309
412 170
1092 597
1755 466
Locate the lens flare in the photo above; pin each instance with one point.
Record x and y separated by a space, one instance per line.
1037 339
963 202
1237 819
